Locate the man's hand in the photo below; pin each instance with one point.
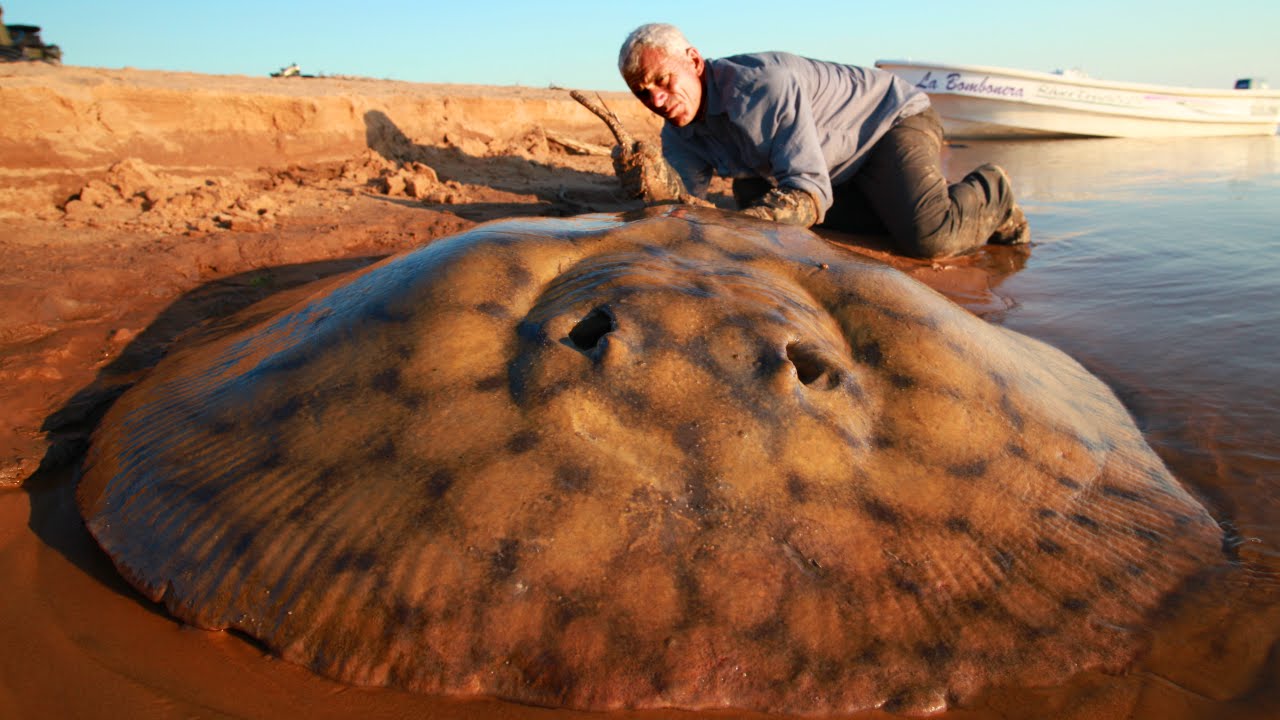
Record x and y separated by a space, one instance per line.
645 175
788 206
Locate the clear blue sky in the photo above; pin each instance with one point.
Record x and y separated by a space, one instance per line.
574 44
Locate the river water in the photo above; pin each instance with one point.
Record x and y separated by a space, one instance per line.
1156 263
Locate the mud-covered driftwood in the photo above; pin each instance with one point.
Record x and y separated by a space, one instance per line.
597 107
630 147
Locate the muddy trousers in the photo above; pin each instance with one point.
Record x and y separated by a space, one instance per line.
901 190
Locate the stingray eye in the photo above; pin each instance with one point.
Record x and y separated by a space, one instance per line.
811 366
585 337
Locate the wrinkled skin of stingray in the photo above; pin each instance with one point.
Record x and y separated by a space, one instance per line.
687 460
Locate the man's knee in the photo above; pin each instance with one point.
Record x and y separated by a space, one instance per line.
929 246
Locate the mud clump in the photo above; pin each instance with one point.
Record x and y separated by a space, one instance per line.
136 195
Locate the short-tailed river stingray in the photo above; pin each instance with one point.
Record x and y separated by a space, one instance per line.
676 459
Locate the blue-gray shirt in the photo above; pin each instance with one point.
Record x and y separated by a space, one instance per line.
805 123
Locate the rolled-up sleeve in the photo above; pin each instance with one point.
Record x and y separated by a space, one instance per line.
790 134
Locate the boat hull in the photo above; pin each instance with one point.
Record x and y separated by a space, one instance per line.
981 102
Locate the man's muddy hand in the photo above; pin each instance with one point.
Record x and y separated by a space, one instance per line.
788 206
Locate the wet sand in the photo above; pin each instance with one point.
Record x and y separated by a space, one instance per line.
1150 266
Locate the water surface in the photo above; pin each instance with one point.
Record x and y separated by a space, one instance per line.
1156 263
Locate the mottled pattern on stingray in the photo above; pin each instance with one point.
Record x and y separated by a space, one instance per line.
678 459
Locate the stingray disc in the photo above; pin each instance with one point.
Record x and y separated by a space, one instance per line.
683 460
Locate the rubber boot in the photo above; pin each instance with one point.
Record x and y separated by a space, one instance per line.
1014 228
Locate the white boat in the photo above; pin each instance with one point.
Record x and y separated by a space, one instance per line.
989 102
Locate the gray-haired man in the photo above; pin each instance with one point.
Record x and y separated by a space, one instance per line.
808 143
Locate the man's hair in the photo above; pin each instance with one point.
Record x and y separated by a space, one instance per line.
661 36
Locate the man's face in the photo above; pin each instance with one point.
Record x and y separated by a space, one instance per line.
669 85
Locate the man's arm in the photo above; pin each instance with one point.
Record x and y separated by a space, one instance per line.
781 116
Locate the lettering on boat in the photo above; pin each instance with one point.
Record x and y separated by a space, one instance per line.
959 83
1262 109
1087 95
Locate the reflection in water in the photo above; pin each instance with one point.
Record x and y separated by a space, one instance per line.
968 280
974 281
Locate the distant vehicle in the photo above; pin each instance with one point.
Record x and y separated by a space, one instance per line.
293 71
22 42
988 102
